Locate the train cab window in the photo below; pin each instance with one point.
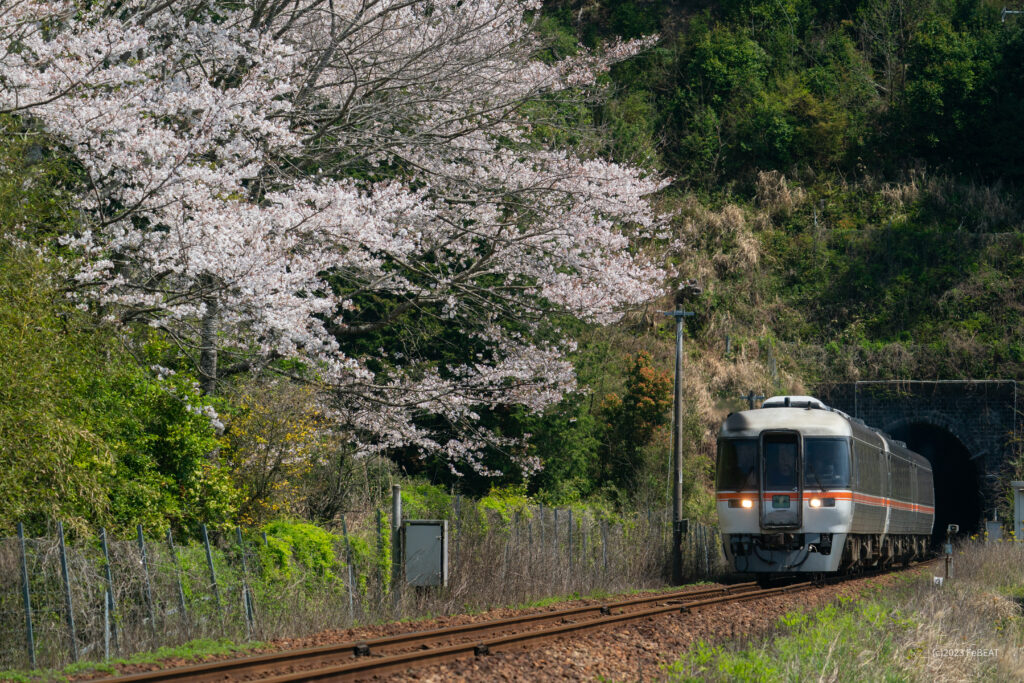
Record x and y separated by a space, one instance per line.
780 461
737 465
826 463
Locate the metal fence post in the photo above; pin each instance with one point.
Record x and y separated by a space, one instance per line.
30 638
458 528
570 540
380 552
111 603
581 530
209 563
517 548
106 625
540 516
504 565
148 594
348 561
554 540
604 544
177 574
67 593
529 541
250 620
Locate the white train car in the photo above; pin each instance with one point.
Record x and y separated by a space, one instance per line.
805 488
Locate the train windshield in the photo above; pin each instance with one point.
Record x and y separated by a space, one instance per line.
780 461
826 463
737 465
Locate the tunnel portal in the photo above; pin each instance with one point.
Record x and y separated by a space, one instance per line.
965 428
958 495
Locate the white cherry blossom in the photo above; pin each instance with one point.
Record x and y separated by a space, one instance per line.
253 175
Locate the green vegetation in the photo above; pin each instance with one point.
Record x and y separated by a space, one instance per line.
86 434
823 643
194 650
846 191
845 188
970 629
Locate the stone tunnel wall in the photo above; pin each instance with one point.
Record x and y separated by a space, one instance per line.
982 414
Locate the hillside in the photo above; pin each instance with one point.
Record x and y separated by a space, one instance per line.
845 188
393 277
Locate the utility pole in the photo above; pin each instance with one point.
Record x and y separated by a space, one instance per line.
689 288
750 398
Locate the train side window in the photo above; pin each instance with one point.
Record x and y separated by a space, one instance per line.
869 469
912 481
826 463
906 488
737 465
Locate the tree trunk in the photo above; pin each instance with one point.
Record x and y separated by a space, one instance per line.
208 347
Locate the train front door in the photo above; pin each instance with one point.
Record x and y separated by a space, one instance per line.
781 487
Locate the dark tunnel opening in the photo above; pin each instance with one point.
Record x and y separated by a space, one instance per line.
958 496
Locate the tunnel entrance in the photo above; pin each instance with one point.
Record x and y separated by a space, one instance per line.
958 496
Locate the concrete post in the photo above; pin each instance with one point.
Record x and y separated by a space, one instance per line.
396 542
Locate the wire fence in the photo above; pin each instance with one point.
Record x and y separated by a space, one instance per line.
65 599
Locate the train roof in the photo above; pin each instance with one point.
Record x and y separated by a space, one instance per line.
809 421
813 418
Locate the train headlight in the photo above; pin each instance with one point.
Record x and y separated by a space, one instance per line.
815 502
822 502
747 503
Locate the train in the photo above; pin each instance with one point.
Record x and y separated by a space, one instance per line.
802 488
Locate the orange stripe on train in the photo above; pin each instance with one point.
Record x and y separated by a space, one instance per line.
857 497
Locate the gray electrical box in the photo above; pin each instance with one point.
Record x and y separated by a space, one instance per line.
1018 509
426 552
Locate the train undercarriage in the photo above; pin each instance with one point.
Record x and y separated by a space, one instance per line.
864 551
789 553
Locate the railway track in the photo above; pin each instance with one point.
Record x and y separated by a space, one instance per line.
365 659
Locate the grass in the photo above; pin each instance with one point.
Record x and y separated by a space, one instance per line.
204 647
192 650
972 628
494 565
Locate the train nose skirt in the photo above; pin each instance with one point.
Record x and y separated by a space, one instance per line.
747 544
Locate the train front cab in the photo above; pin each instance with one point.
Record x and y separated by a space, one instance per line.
784 502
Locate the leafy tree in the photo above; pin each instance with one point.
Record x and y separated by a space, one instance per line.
631 420
86 435
281 186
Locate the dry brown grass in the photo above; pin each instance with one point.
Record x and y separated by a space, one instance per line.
530 556
980 611
982 208
970 629
775 194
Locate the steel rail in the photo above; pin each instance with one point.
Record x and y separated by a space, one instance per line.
371 667
219 670
321 663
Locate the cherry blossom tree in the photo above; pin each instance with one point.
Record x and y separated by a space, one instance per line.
272 180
